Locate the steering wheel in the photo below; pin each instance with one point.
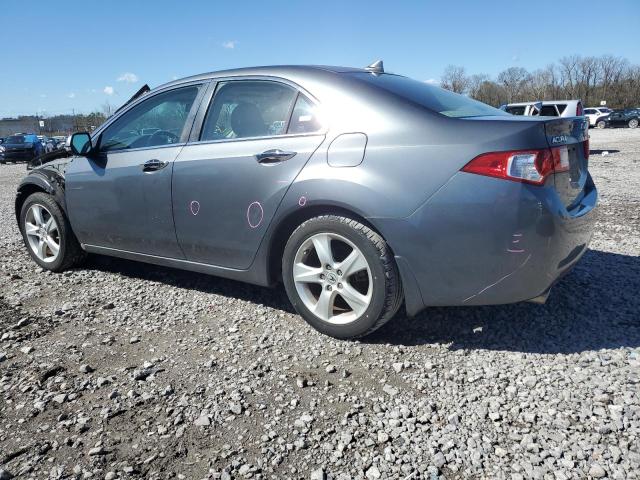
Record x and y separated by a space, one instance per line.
156 138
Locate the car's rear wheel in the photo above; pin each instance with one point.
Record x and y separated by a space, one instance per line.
47 234
601 124
341 276
633 123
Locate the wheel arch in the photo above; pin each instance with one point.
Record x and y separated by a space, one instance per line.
292 220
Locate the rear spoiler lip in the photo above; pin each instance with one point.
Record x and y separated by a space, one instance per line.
142 91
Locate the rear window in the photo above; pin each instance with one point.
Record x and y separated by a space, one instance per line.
15 139
434 98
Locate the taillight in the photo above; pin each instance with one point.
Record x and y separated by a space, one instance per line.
579 110
528 166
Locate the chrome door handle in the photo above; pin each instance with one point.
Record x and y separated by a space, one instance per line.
153 165
274 156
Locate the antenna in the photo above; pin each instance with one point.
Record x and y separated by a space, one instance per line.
376 67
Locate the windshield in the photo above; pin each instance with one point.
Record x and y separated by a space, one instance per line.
434 98
15 139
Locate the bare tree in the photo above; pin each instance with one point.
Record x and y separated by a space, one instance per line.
514 80
455 79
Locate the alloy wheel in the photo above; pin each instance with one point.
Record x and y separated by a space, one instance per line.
633 123
42 233
333 278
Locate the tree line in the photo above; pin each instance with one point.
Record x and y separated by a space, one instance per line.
591 79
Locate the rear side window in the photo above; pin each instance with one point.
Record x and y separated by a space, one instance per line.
561 107
434 98
589 111
248 108
548 111
305 117
515 110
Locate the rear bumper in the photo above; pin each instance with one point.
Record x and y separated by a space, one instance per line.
484 241
17 155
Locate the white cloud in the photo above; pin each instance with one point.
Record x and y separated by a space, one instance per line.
71 95
128 77
432 81
230 44
108 90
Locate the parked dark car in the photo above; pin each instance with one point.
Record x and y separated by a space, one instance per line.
629 117
20 147
357 189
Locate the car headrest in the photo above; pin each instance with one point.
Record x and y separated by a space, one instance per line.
247 121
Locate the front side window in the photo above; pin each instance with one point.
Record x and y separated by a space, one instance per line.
515 110
248 108
157 121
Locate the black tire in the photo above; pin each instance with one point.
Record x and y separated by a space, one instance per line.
70 253
633 123
387 295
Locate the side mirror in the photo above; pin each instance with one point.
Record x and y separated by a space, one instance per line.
81 144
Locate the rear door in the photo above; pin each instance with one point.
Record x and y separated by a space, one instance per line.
570 139
256 136
121 198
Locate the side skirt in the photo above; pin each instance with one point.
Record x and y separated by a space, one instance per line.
248 276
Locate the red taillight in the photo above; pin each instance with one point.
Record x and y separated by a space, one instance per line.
528 166
579 110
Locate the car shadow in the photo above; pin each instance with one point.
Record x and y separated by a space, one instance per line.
596 306
599 152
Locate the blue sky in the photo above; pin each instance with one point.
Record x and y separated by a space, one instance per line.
80 54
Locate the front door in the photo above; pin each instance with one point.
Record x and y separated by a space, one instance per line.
228 184
121 197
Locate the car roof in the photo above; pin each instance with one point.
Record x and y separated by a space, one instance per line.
270 70
544 102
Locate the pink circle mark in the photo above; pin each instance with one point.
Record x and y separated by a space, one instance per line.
252 207
303 201
194 206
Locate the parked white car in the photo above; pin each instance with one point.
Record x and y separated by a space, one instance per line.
553 108
597 115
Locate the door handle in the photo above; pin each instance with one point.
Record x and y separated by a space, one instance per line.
153 165
274 156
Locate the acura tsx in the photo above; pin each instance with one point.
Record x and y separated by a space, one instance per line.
356 189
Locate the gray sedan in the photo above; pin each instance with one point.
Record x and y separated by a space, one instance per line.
356 189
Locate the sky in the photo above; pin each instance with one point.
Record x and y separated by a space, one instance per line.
78 55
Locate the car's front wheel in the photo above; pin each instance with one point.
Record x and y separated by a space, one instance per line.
633 123
601 124
47 234
341 276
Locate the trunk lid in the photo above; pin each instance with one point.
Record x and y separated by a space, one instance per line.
569 136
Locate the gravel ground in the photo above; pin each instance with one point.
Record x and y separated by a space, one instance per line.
121 370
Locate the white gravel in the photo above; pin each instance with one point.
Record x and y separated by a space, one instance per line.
123 370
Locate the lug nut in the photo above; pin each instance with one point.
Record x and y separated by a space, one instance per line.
340 272
339 285
328 267
329 288
322 276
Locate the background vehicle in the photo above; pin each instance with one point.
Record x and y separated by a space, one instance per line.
358 189
20 147
623 118
596 116
559 108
